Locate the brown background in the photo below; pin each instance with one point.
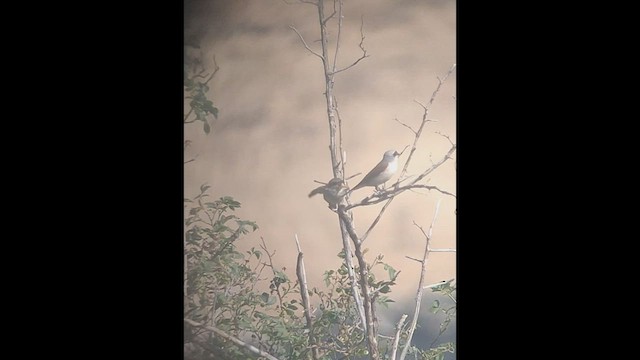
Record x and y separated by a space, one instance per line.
271 138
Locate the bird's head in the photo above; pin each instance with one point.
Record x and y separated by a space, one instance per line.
390 155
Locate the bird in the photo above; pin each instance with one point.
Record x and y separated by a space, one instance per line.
332 192
382 172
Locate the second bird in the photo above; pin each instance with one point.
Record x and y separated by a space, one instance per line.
380 174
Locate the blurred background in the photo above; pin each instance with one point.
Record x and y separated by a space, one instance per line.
270 141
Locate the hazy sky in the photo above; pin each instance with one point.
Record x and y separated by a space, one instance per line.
271 140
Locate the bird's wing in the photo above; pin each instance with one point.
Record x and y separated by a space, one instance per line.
376 170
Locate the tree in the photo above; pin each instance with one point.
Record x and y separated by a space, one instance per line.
363 289
238 304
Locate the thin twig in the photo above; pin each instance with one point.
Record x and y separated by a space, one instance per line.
361 45
423 272
405 125
375 222
305 43
372 341
273 270
385 195
352 176
233 339
335 55
424 119
434 285
396 339
214 70
304 292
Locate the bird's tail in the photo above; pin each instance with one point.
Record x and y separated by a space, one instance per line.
316 191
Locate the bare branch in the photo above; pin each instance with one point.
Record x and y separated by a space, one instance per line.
396 339
348 223
347 231
442 250
187 116
343 154
233 339
188 161
396 190
214 70
371 334
375 222
352 176
305 43
405 125
361 45
304 292
423 271
352 65
340 17
445 136
440 82
434 285
330 16
424 119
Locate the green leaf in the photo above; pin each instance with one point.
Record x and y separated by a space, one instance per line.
385 289
392 272
289 312
204 187
207 128
271 301
200 115
264 297
259 315
243 223
435 306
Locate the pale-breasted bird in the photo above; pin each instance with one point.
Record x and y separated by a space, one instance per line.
332 192
382 172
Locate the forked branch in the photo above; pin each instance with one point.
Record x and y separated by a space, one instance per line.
305 43
423 272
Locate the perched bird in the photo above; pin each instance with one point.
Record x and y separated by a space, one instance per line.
332 192
382 172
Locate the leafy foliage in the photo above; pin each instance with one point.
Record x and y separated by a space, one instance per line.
434 353
244 295
196 91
